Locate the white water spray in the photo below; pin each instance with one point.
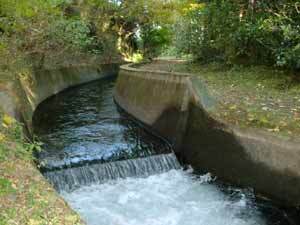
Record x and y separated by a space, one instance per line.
171 198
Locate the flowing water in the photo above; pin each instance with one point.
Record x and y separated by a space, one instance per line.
114 172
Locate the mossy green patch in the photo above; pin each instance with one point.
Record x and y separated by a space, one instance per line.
6 187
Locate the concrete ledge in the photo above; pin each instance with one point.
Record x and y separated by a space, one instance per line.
179 107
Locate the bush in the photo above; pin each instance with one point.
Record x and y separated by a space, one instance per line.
73 33
234 32
153 39
32 30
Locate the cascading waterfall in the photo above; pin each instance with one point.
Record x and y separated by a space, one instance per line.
75 177
114 172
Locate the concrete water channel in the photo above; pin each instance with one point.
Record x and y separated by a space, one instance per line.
113 170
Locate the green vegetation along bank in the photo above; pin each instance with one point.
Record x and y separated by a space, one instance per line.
25 196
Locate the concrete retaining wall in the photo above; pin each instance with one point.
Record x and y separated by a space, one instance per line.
156 99
179 107
42 84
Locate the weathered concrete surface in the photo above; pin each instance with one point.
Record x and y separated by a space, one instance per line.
181 109
45 83
156 99
249 158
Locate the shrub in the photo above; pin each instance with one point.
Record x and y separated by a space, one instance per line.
234 31
153 39
73 33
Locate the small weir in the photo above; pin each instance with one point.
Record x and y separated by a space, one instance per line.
112 171
75 177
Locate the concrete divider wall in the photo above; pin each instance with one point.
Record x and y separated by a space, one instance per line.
157 99
181 109
245 157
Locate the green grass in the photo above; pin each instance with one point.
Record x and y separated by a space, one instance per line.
6 187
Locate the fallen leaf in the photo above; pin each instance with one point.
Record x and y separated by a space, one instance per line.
233 107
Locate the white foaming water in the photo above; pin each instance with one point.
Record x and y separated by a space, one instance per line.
172 198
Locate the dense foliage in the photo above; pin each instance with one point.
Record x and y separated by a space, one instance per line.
242 31
230 31
40 28
32 30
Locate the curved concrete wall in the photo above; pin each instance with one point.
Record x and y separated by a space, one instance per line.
45 83
156 99
179 107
